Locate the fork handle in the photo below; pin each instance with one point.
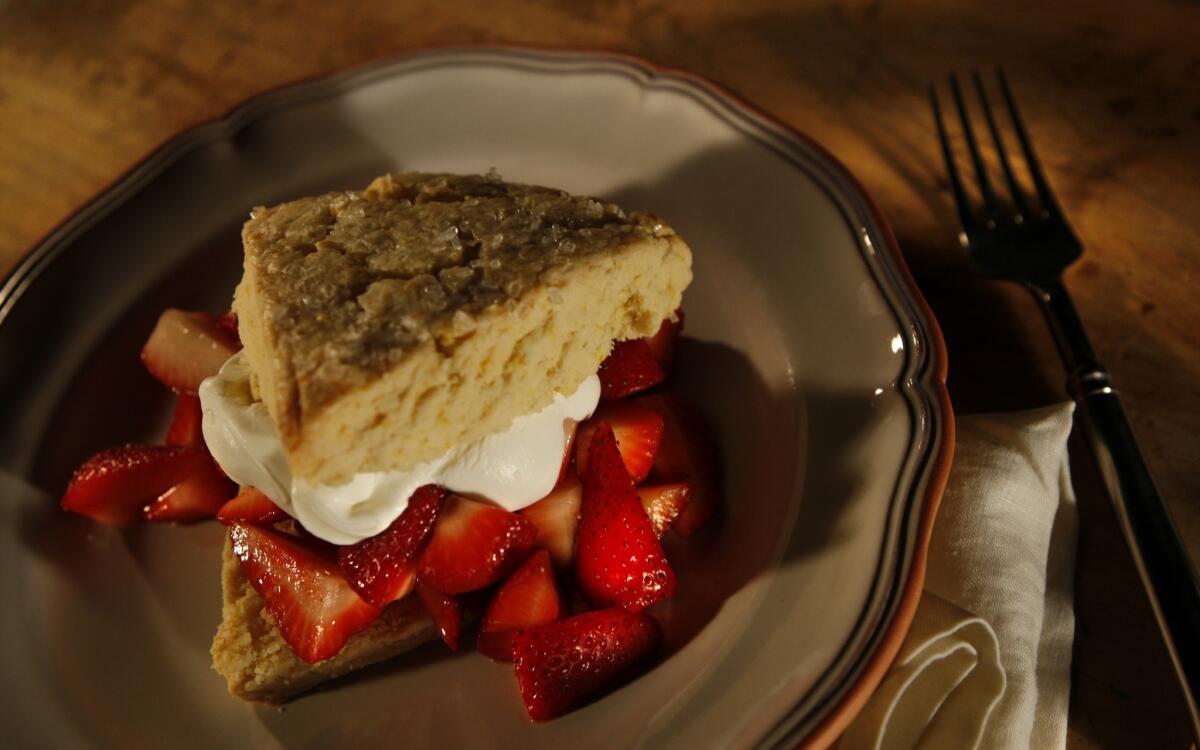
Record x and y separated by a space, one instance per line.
1158 553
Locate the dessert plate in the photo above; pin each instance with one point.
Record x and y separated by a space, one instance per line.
808 346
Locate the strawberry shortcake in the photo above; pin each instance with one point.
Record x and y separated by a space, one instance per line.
437 400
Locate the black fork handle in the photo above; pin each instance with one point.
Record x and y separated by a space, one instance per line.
1158 553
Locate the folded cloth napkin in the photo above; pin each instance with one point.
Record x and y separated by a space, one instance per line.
987 661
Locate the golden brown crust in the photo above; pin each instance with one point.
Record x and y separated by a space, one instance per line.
250 653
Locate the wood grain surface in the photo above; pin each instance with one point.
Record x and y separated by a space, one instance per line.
1111 92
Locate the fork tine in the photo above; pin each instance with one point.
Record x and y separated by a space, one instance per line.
1035 169
966 220
1014 188
985 185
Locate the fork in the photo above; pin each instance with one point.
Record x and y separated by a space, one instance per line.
1027 239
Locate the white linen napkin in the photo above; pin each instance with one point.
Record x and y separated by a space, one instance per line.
987 661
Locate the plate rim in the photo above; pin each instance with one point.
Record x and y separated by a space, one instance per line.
931 371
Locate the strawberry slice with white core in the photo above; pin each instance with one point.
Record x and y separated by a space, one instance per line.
303 589
556 515
638 429
563 665
662 344
687 453
114 485
630 367
185 426
619 559
383 568
529 597
446 612
251 506
185 348
474 545
664 503
199 497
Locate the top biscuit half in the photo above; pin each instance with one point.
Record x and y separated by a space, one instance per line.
387 326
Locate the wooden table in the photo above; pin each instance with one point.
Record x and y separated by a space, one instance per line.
1112 93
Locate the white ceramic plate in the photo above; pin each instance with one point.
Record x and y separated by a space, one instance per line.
809 348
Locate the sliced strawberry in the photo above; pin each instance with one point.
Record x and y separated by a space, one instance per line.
303 589
383 568
662 344
563 665
556 515
228 322
664 503
445 610
185 348
200 496
638 429
185 425
251 506
618 557
474 545
687 453
570 428
529 597
114 485
629 368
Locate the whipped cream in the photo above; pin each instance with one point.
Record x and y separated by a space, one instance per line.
512 468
